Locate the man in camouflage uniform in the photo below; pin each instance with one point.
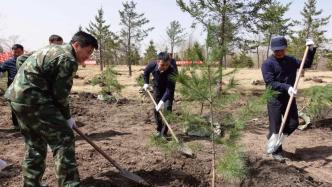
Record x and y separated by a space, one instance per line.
39 98
53 40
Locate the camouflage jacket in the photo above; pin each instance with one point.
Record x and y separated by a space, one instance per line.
45 78
21 59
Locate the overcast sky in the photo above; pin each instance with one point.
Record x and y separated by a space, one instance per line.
35 20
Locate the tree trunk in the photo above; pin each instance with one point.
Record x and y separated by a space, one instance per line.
225 60
101 56
129 51
172 48
268 46
223 24
257 51
212 128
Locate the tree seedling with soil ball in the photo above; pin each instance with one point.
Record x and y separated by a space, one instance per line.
111 88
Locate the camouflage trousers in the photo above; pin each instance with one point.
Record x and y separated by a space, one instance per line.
42 126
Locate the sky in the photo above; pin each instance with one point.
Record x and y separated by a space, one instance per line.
35 20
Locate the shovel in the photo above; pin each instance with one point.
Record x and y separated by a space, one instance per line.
183 148
123 172
274 144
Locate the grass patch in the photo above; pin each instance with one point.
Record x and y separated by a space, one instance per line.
165 145
232 166
320 101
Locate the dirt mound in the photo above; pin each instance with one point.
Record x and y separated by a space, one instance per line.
264 172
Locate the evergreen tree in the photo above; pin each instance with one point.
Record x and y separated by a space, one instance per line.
227 17
132 30
100 30
150 53
313 26
175 34
271 21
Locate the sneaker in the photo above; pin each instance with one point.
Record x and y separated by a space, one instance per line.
279 157
159 135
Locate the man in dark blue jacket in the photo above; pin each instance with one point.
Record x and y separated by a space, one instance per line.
279 73
163 87
9 66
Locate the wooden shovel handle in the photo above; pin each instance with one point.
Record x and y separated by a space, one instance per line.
98 149
292 97
163 118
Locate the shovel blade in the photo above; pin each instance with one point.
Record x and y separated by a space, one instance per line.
184 149
133 177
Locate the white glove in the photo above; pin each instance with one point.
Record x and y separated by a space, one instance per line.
309 42
160 105
145 87
292 91
71 123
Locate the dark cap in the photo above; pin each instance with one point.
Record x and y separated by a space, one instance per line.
163 56
278 43
17 46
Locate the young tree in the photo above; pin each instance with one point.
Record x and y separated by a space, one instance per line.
100 30
175 34
226 16
133 30
194 53
112 49
313 24
270 21
150 52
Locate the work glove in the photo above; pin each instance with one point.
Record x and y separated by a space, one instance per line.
292 91
145 87
310 43
160 105
71 123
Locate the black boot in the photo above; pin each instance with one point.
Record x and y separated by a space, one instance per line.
277 155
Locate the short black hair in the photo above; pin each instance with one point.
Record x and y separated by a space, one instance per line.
55 38
84 39
163 56
17 46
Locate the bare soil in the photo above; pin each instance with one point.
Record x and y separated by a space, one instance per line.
123 130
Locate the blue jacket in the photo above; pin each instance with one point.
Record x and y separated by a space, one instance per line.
163 82
10 67
280 74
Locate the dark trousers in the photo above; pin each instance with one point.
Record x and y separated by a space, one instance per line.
276 109
14 119
158 94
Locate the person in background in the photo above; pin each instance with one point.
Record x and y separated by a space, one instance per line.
9 66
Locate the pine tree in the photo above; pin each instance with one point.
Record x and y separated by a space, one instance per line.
150 52
313 24
312 27
270 21
224 17
175 34
132 29
101 31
